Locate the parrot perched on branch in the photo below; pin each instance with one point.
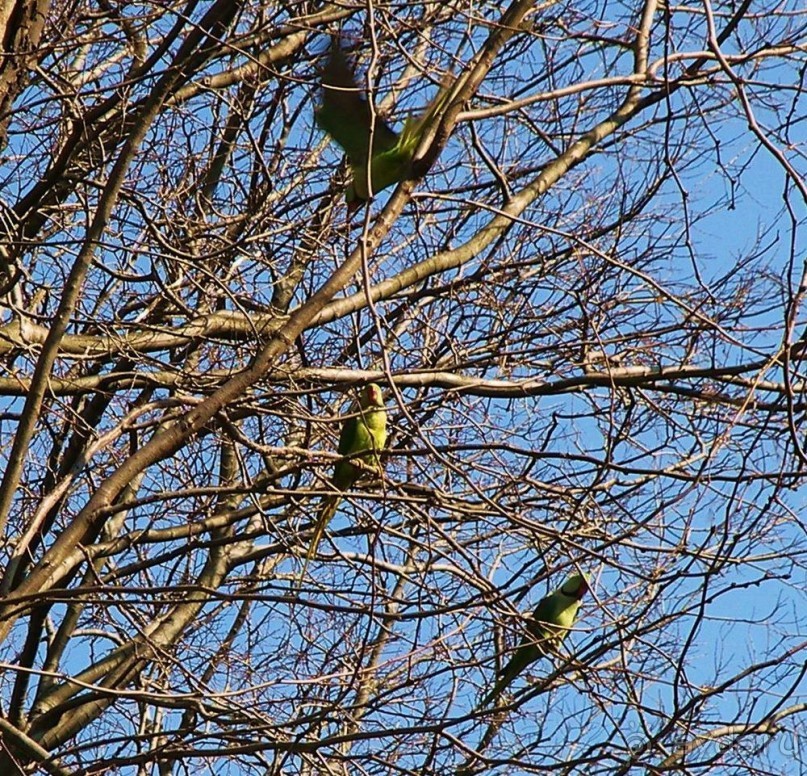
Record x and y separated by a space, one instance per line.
364 432
347 117
547 628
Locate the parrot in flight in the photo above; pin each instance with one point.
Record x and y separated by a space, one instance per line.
366 138
548 627
364 432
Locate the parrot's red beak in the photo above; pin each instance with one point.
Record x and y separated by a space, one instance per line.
373 395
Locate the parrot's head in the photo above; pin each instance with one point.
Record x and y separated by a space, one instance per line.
576 586
371 396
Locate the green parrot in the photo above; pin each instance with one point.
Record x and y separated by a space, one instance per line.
346 116
366 431
548 627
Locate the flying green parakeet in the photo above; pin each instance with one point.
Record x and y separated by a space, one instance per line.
346 116
366 432
547 628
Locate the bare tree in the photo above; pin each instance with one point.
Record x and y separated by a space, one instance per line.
585 306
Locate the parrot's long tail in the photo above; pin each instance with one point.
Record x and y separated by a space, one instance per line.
326 513
504 678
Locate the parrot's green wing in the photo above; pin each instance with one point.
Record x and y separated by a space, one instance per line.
364 432
393 165
550 624
352 439
347 117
